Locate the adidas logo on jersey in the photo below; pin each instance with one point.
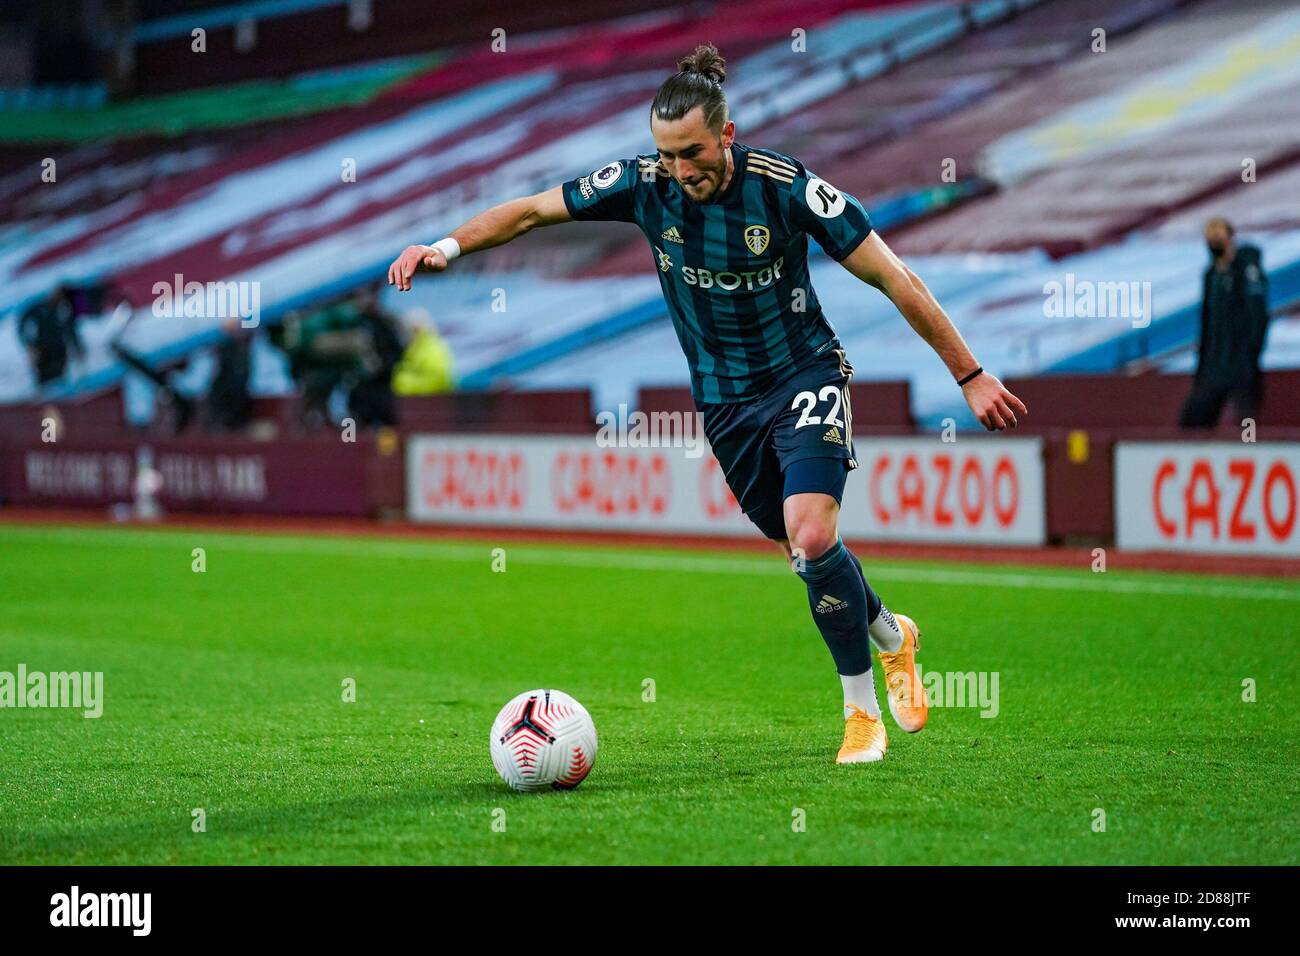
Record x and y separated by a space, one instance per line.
830 602
672 235
834 436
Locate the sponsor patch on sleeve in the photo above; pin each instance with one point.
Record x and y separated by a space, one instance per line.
606 176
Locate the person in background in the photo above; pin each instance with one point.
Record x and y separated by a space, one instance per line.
426 367
47 329
1234 321
322 346
370 400
229 406
353 344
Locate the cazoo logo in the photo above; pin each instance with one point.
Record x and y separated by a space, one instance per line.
1243 499
474 481
944 490
1208 496
610 484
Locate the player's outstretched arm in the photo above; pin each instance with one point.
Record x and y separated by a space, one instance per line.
496 226
875 263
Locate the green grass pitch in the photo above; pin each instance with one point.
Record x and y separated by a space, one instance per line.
223 691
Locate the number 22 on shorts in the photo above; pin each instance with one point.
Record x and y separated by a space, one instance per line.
807 401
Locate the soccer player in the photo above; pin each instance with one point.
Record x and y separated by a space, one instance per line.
729 226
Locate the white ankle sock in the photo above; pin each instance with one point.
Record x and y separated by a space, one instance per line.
860 691
885 632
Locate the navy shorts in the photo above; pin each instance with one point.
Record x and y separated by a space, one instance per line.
802 417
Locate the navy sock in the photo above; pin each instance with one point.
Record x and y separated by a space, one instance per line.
874 604
837 595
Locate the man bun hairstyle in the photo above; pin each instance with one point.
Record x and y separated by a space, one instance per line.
697 82
705 59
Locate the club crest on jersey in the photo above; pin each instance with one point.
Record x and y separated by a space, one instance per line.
606 176
665 262
756 238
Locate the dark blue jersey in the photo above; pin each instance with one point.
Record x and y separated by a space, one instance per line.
734 270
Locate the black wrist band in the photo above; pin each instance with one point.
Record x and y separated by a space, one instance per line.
972 376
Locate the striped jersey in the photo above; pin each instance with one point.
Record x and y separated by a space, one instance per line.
734 270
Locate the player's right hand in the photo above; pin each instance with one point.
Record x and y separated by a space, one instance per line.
411 261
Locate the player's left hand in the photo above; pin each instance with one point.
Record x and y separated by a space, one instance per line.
993 405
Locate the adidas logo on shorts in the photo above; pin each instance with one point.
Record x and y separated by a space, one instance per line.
834 436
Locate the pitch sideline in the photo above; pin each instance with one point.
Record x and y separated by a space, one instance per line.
621 560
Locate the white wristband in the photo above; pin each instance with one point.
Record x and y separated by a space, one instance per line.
449 247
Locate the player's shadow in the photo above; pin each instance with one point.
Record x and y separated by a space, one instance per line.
262 827
276 830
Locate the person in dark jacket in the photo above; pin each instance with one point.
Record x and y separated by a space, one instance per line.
1234 320
46 329
371 401
229 405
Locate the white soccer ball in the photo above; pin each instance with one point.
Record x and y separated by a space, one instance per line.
543 738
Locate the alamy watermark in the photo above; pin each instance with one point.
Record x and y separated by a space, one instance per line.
960 689
78 690
1087 299
130 910
623 429
209 300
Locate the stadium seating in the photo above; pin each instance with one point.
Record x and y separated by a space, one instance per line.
947 105
277 212
1210 88
884 92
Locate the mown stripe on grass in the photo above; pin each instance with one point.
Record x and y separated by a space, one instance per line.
666 562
